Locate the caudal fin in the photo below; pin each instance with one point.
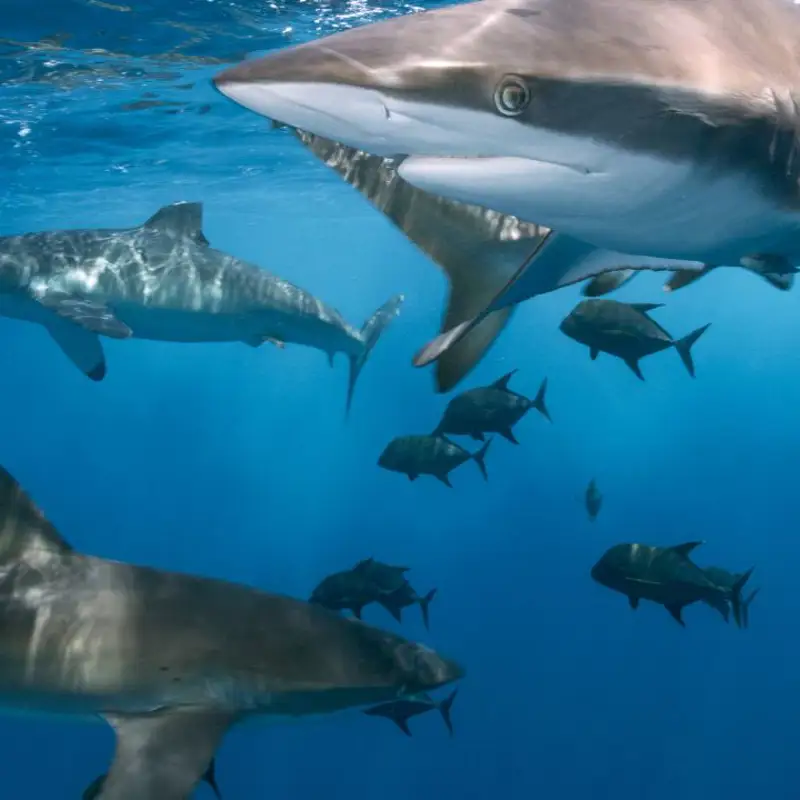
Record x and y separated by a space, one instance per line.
444 710
480 457
539 403
425 605
739 612
370 333
684 347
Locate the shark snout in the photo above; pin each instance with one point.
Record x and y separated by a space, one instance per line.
427 669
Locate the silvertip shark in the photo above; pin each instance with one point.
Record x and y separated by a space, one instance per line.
172 661
162 280
638 134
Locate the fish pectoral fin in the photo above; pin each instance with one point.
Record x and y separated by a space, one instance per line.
181 220
163 755
87 314
557 260
81 347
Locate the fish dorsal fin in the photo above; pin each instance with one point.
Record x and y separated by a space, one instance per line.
478 249
686 548
502 383
645 307
23 528
179 220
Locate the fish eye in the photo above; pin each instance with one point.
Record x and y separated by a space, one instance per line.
512 96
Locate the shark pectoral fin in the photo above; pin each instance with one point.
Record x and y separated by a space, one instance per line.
557 260
163 755
478 249
87 314
181 220
81 347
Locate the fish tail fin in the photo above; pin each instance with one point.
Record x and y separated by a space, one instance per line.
739 614
444 710
539 402
425 605
746 608
370 333
480 457
684 347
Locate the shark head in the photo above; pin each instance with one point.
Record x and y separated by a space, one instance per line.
568 113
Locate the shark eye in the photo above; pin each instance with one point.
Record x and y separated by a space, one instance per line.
512 96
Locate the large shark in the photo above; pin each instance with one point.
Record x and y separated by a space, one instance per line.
642 133
162 280
172 661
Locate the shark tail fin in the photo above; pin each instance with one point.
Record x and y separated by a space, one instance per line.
370 333
480 458
425 606
746 608
444 710
539 403
739 613
684 347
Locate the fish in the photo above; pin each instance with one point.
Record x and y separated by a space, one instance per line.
163 281
722 577
491 409
607 282
93 790
593 500
667 576
625 330
403 597
400 711
429 455
172 661
664 140
348 590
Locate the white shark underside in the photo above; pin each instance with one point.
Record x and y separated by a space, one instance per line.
171 661
645 135
164 281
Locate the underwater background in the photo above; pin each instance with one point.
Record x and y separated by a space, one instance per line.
237 463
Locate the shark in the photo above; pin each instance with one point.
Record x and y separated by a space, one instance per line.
639 134
162 280
172 661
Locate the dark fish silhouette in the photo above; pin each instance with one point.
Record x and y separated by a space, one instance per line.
729 579
406 596
593 500
666 575
429 455
625 330
400 711
349 590
607 282
93 790
490 409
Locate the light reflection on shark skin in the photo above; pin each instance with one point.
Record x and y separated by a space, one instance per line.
163 281
172 661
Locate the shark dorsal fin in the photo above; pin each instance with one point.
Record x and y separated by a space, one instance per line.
502 383
23 528
686 548
180 220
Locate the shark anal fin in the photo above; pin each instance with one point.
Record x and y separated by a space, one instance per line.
164 755
87 314
402 723
633 602
444 479
675 613
181 220
593 353
81 347
633 365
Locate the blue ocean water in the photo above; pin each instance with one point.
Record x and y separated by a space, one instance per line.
237 463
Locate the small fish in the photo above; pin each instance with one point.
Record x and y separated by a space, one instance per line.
349 590
400 711
728 580
667 576
406 596
93 790
625 330
607 282
491 409
384 577
429 455
593 500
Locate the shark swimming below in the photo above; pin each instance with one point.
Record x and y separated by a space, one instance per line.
639 134
173 661
162 280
